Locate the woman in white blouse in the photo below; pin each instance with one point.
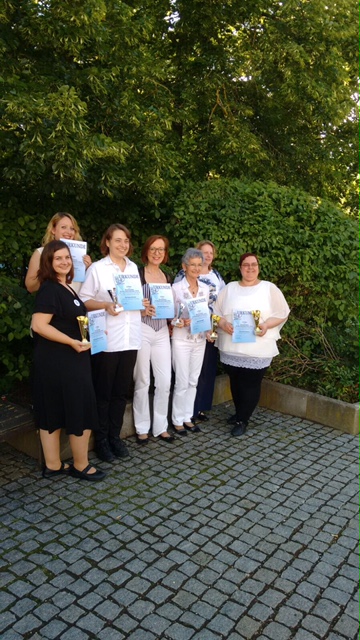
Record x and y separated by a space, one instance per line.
187 348
113 368
246 361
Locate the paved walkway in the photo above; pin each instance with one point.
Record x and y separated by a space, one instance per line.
212 537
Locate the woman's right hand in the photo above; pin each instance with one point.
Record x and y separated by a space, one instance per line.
80 346
110 309
226 326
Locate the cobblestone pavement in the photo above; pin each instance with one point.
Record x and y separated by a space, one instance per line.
212 537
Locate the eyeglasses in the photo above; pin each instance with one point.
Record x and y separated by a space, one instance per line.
155 250
245 265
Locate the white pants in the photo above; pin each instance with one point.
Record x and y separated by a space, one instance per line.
155 350
187 359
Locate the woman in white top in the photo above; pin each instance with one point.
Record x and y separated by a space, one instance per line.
155 350
61 225
113 368
187 348
246 362
206 382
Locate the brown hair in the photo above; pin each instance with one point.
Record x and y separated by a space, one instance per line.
247 255
203 242
46 270
49 235
147 245
109 234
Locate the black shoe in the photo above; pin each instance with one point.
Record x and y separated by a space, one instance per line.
142 441
85 475
167 439
238 429
202 417
103 451
50 473
181 432
231 420
118 448
192 428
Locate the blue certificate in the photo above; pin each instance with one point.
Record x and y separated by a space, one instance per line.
244 325
163 300
199 315
97 331
129 291
78 250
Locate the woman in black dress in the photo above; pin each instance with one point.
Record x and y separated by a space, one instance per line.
63 391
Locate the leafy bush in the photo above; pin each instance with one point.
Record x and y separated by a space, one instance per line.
15 342
307 247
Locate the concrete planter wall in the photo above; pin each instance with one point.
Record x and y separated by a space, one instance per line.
275 396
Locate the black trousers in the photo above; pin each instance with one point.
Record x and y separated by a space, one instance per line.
112 376
245 386
206 381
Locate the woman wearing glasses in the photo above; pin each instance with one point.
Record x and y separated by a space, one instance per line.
155 350
247 354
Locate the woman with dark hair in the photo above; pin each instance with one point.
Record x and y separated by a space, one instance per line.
155 350
61 225
261 310
187 348
113 368
63 391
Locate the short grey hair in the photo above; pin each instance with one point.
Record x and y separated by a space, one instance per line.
190 254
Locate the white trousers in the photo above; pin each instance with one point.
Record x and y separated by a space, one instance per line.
155 350
187 359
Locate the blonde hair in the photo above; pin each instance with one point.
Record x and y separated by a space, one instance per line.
49 235
200 244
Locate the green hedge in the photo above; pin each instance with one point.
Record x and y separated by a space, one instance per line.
307 247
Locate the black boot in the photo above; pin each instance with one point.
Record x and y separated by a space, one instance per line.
103 451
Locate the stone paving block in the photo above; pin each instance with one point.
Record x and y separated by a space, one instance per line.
54 629
317 625
179 632
26 624
276 631
74 633
248 627
347 626
288 616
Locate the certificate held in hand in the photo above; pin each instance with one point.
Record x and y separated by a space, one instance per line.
163 300
199 315
78 250
243 323
129 291
97 331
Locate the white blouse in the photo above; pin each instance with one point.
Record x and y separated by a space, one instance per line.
123 330
182 294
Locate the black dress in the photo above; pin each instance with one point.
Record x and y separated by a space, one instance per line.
64 397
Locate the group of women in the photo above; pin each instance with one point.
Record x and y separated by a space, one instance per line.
83 394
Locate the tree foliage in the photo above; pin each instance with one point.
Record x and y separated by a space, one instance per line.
108 109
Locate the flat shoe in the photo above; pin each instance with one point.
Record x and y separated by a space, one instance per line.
166 438
238 429
142 441
84 475
181 432
193 429
50 473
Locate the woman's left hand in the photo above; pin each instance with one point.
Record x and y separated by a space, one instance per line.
264 328
149 311
87 261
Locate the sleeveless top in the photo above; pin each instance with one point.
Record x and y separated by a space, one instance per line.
151 322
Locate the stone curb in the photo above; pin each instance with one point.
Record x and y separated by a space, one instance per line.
275 396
